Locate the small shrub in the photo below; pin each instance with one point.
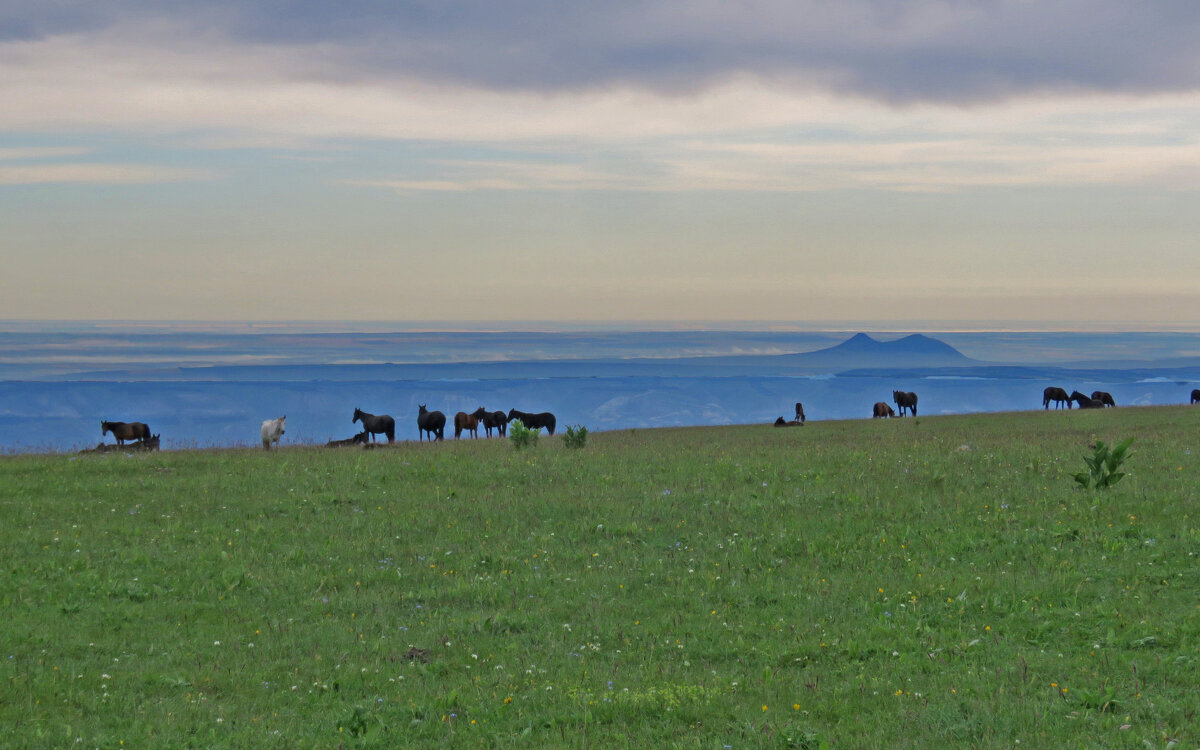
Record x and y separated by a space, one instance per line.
521 436
1103 465
575 436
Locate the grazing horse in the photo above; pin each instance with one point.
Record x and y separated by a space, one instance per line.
123 431
905 400
1103 397
374 425
882 410
359 439
490 419
799 412
431 422
534 421
1084 402
272 430
468 422
1057 395
1195 396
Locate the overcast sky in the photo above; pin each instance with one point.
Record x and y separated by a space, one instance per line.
549 160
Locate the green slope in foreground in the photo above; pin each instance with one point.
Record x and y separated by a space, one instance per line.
890 583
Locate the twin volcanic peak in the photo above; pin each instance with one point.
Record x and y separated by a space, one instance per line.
861 350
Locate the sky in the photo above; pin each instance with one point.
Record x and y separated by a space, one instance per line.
755 160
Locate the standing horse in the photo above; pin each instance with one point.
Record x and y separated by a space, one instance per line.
905 400
123 431
431 422
881 410
375 425
1057 395
1103 397
468 422
1084 402
799 412
272 430
490 419
534 421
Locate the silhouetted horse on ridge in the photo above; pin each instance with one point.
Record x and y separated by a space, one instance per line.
1057 395
375 425
431 422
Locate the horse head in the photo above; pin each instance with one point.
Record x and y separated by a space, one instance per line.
358 414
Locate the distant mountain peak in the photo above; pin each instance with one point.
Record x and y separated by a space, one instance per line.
863 350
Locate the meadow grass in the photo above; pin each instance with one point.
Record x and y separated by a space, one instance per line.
874 583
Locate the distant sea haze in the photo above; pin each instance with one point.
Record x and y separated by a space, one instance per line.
201 389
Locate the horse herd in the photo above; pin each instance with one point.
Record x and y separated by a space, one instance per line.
1098 399
432 425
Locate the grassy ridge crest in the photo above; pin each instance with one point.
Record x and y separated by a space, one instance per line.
879 583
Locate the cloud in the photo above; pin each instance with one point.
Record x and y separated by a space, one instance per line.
102 174
887 50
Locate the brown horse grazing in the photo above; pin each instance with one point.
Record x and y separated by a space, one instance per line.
905 400
375 425
1084 402
1103 397
359 439
1057 395
492 419
1195 396
781 422
431 422
123 431
534 421
468 422
881 410
799 412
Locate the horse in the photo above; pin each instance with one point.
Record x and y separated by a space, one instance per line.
490 419
1084 402
468 422
1103 397
149 444
272 430
374 425
1057 395
882 410
359 439
123 431
799 412
1195 396
534 421
905 400
781 422
432 422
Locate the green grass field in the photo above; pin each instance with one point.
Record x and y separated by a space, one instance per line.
874 583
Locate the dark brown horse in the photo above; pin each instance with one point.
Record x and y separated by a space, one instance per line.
1083 402
468 422
376 425
432 423
1103 397
492 419
1195 396
359 439
1057 395
905 400
799 412
882 410
123 431
534 421
781 422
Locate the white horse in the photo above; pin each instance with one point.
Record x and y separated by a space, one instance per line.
272 430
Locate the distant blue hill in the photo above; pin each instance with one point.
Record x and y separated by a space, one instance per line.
862 351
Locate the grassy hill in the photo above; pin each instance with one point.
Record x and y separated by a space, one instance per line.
892 583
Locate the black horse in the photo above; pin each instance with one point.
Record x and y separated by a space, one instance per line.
123 431
1083 402
374 425
905 400
1057 395
799 412
781 422
881 410
431 422
1196 396
492 419
534 421
359 439
1103 397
